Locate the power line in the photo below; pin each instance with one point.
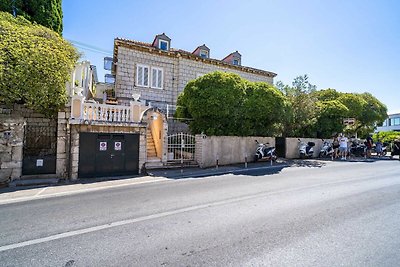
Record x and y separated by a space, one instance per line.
89 47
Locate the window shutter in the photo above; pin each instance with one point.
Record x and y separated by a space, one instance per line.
139 75
160 79
154 78
146 76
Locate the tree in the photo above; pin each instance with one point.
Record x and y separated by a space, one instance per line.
263 108
300 114
214 102
330 118
44 12
367 111
35 64
389 136
327 94
225 104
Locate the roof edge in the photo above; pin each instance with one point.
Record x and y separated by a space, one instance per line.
179 53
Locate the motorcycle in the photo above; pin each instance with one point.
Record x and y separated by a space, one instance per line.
395 149
306 150
358 150
265 152
385 148
326 150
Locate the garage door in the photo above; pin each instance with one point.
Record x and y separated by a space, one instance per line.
105 154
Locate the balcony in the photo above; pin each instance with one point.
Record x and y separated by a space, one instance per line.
90 112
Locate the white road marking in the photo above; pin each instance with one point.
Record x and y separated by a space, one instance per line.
41 191
66 193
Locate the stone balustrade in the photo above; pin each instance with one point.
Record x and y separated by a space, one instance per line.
103 112
88 112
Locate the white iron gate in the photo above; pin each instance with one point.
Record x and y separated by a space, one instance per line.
181 147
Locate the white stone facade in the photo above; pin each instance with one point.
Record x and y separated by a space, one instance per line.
178 69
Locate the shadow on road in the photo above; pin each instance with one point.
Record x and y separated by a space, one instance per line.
308 163
254 169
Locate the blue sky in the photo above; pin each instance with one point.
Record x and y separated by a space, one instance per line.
352 46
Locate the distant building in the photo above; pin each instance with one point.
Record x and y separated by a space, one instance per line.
392 123
159 73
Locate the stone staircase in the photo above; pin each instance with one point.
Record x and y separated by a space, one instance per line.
152 162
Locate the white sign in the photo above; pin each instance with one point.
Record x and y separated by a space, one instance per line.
117 145
39 163
103 146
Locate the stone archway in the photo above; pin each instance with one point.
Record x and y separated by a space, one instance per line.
156 137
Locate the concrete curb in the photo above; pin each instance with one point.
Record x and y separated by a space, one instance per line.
213 172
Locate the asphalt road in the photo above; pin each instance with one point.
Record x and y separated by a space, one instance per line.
315 214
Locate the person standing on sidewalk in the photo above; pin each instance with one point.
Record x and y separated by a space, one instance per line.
378 148
343 146
369 144
335 145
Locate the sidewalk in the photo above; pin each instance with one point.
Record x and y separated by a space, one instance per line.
179 173
26 193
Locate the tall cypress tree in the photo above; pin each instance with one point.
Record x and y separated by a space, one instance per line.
44 12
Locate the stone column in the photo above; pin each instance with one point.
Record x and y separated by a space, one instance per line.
74 156
198 156
11 148
63 133
77 107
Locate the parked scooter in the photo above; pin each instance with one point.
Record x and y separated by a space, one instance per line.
358 150
326 150
306 150
265 152
384 148
395 149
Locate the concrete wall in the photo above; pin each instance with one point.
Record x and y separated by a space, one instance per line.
292 146
228 149
11 147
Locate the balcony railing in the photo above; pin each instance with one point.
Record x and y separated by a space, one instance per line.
82 112
109 113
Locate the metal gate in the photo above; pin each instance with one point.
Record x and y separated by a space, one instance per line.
108 154
181 147
40 148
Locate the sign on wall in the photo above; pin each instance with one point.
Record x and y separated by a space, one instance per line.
117 146
103 146
39 163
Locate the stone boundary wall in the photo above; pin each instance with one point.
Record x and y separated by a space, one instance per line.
228 149
14 116
11 146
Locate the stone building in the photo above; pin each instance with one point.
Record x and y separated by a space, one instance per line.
159 73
